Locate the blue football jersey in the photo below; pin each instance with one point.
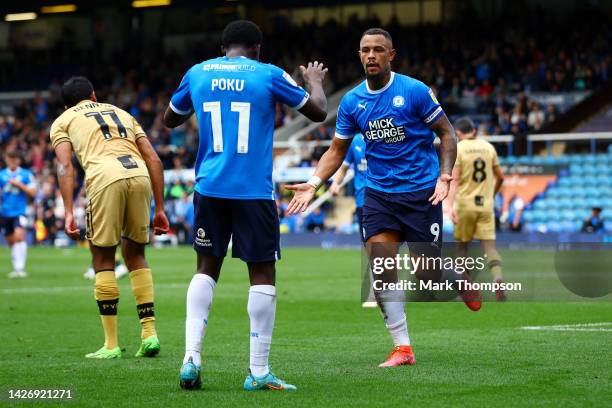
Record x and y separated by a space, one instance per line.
356 158
234 101
14 200
395 123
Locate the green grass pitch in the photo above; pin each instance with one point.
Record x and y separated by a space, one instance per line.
324 342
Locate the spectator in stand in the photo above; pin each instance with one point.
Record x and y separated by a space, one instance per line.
515 214
180 215
518 120
535 118
551 113
595 223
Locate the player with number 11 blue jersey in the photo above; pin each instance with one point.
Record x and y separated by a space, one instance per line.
234 99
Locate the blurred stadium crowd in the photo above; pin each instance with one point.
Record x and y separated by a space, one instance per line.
481 71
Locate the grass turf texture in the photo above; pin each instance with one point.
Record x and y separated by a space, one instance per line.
324 342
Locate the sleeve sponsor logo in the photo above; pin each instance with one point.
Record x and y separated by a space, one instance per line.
289 79
433 97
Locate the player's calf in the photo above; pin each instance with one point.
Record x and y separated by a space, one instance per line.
107 296
142 288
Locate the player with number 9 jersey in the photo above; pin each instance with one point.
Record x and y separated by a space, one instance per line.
405 182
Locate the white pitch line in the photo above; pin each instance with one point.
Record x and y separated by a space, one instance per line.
578 327
62 289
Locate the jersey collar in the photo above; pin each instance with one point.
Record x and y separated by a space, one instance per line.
384 88
238 57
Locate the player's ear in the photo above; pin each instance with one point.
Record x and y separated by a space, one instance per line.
93 96
392 54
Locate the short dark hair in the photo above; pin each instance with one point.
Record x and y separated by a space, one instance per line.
241 32
13 154
378 31
464 125
75 90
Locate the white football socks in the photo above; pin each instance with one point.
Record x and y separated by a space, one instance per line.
199 299
19 252
262 310
394 313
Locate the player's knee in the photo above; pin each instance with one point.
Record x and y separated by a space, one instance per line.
262 273
209 265
494 258
133 255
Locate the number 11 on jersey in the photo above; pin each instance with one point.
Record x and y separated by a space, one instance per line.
244 117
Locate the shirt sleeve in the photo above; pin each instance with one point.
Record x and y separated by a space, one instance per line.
458 161
495 158
427 107
138 130
180 102
345 123
58 133
29 179
286 90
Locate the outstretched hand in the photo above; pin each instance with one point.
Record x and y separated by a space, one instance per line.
314 72
304 193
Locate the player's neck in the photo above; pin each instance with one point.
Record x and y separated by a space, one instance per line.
241 52
376 82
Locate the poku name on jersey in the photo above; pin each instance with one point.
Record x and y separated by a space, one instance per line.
234 100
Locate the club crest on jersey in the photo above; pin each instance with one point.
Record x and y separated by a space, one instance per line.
200 238
398 101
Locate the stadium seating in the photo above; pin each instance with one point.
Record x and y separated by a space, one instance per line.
566 203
